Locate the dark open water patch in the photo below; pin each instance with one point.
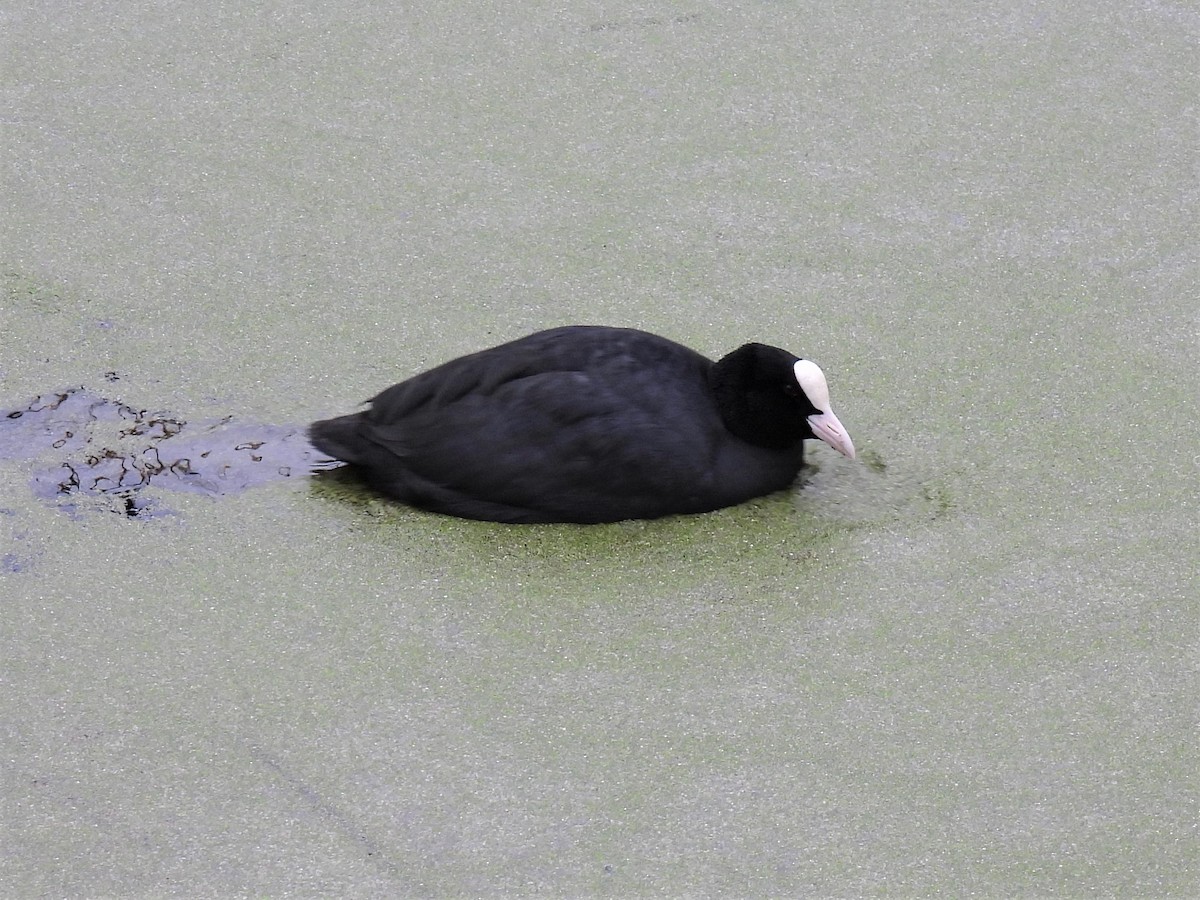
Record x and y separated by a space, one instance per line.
99 446
96 453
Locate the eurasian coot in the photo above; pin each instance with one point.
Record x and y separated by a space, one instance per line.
589 424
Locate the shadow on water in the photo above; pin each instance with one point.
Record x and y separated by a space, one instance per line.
509 568
766 541
106 448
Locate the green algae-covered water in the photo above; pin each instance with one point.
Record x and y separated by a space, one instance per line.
965 663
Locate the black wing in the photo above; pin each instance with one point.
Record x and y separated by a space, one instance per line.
595 419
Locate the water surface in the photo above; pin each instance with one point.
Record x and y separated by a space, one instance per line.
965 664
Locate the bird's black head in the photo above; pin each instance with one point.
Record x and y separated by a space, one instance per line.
774 399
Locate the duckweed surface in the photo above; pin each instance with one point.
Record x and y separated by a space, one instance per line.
966 664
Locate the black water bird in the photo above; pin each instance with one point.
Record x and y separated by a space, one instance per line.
589 424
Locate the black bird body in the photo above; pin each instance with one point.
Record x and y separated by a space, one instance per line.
581 424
